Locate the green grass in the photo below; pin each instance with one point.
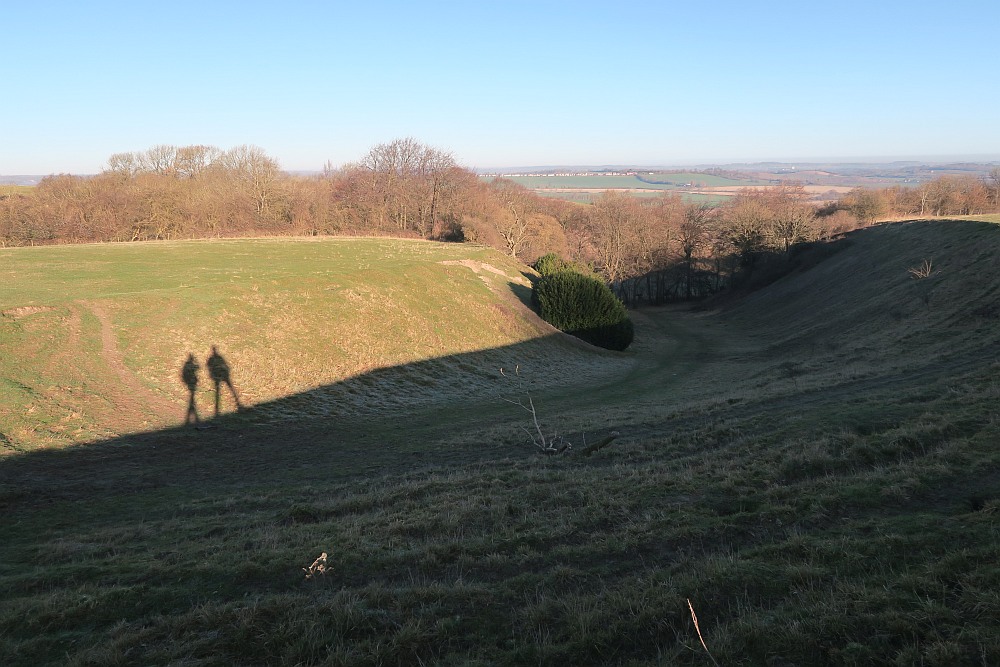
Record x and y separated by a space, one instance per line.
289 316
994 217
813 466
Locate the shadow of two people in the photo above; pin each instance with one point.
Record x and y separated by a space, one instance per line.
219 372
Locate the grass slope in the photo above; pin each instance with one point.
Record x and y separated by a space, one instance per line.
814 467
94 337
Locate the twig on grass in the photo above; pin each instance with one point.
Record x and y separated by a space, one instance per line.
318 567
597 446
551 444
925 270
694 617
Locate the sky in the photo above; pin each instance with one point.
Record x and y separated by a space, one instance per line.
500 84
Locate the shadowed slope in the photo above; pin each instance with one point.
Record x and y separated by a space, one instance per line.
831 504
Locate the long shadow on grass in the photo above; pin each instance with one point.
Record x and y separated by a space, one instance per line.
394 419
385 421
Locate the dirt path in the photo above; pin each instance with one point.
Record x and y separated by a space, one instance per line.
138 404
65 355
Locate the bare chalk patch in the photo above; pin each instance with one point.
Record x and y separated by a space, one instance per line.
483 267
24 311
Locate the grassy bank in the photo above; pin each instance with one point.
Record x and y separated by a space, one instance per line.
94 337
813 467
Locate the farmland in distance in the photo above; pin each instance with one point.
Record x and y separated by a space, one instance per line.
700 187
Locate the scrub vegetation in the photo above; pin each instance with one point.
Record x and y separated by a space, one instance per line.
811 465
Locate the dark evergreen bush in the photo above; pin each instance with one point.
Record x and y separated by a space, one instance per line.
583 306
551 263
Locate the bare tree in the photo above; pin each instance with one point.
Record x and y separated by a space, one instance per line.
193 161
941 195
693 234
791 216
512 221
972 196
866 205
744 224
409 180
613 220
993 185
124 165
254 172
158 159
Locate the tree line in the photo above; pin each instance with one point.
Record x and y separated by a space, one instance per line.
401 188
651 249
943 196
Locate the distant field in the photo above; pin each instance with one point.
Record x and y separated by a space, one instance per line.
588 197
697 180
645 181
692 186
16 189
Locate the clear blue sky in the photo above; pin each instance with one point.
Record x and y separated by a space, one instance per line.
502 83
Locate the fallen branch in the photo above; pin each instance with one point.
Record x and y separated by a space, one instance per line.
318 567
597 446
551 444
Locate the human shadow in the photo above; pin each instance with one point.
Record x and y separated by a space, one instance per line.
220 372
332 426
423 407
189 375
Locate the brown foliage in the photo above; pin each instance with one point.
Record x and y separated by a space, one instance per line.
401 188
655 249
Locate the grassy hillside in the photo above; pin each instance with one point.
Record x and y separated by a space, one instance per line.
813 468
94 337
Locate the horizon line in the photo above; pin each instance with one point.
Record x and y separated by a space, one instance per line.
927 160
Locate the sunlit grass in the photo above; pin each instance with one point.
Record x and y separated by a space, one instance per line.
289 315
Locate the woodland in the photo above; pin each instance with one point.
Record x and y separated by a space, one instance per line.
651 250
